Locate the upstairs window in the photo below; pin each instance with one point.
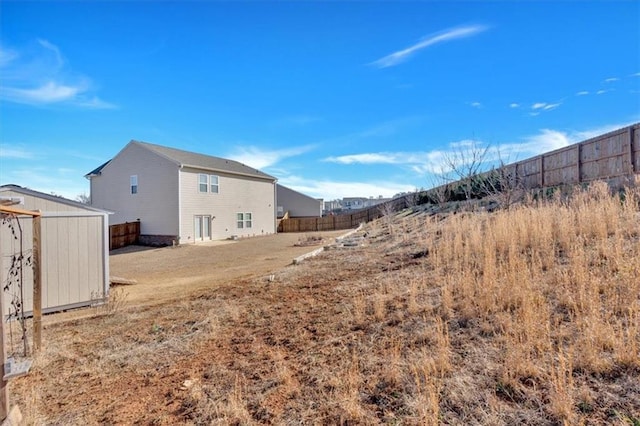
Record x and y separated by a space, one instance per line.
133 181
213 181
208 183
203 183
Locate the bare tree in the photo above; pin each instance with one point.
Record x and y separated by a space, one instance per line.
412 199
502 183
83 198
440 188
466 161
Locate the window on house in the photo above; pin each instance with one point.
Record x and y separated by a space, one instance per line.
244 220
213 180
133 181
203 183
208 183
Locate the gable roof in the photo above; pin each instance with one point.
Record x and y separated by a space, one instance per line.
297 193
55 198
199 161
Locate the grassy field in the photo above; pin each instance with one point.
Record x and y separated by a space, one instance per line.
524 316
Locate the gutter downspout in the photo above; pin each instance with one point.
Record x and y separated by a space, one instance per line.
105 257
179 203
275 206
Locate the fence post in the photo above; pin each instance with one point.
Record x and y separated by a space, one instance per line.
541 171
37 284
579 162
633 166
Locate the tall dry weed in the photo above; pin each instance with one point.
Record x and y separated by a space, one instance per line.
547 278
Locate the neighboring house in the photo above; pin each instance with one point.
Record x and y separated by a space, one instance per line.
296 203
330 206
184 197
353 203
370 202
75 250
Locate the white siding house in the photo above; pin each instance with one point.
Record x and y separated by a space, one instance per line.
182 196
297 204
75 250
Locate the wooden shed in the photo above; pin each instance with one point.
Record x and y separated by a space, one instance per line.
74 257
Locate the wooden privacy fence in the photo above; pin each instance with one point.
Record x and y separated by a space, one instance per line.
123 234
341 221
327 223
613 157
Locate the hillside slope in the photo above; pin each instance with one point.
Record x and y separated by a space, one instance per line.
525 316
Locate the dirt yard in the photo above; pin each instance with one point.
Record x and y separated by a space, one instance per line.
172 272
527 316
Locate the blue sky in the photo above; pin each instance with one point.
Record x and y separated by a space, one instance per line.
333 98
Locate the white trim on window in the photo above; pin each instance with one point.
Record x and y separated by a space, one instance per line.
244 220
214 184
133 184
203 182
208 183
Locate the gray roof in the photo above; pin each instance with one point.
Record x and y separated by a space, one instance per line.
201 161
55 198
192 159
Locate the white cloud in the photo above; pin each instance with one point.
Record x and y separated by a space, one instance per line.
635 75
600 92
53 48
549 139
64 182
476 104
260 158
420 162
39 75
48 93
514 105
611 79
331 190
582 93
368 158
15 152
400 56
6 56
543 106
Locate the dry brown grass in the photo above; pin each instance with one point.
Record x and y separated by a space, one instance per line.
525 316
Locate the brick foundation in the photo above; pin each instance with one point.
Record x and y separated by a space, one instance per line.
158 240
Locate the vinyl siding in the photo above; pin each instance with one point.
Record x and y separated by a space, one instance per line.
237 194
73 255
297 204
155 204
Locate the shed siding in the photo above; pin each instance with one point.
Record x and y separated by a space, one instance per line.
73 255
155 204
237 194
297 204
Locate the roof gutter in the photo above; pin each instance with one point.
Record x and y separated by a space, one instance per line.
265 177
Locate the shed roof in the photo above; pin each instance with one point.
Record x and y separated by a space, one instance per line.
54 198
195 160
